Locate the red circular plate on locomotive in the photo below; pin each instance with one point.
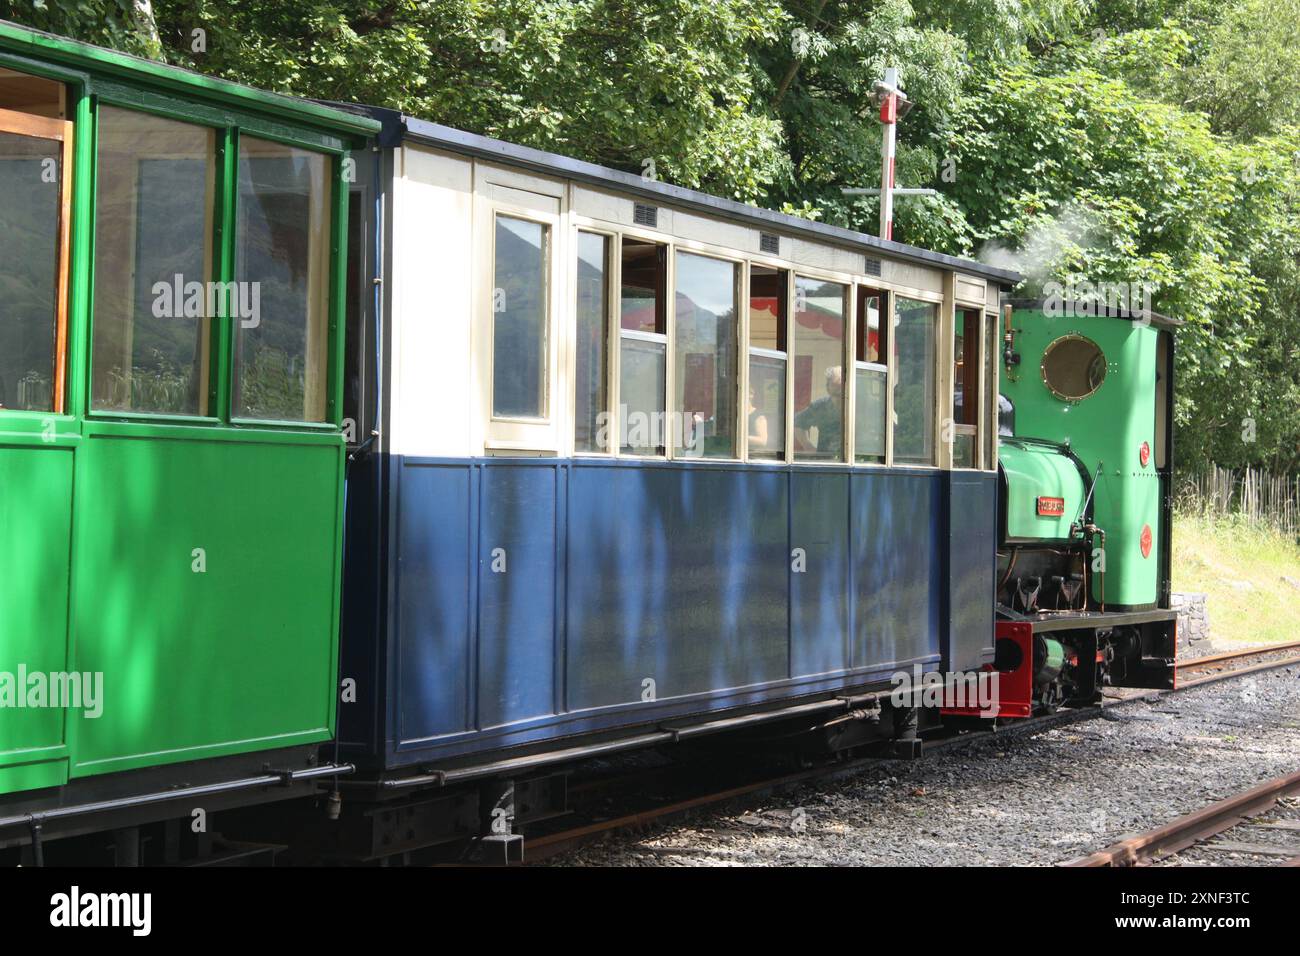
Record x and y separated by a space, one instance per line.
1145 541
1144 454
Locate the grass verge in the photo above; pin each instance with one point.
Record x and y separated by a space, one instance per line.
1242 570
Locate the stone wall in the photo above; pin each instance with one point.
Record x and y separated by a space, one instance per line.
1193 620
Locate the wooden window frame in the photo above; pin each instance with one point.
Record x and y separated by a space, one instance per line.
941 385
973 332
663 316
60 131
784 301
740 293
885 296
847 351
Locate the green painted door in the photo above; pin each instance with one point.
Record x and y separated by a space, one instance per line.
35 533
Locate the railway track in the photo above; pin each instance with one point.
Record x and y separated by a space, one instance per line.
1234 825
681 801
1238 663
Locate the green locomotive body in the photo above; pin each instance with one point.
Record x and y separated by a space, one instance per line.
1096 384
1085 455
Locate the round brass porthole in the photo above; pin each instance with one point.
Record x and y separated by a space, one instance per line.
1073 367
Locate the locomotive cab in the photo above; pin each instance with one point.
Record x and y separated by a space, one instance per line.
1084 517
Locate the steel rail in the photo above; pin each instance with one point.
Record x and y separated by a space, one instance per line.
1196 663
1192 828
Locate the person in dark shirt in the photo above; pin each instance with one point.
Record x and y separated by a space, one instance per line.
826 415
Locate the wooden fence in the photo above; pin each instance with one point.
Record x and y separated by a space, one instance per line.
1251 493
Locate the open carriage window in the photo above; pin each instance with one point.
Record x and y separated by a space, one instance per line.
154 295
872 373
35 210
967 389
769 314
643 347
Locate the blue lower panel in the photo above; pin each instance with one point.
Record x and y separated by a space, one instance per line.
531 599
433 569
973 569
819 579
676 582
517 575
898 567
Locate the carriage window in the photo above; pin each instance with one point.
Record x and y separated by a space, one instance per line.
153 264
705 357
643 347
280 304
872 373
519 319
591 429
966 388
819 311
768 314
915 340
34 210
992 421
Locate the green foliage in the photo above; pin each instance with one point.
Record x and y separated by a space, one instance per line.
1248 82
660 88
119 24
156 385
273 385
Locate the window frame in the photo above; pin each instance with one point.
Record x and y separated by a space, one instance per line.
861 290
992 359
941 383
503 435
739 287
335 289
229 125
215 415
847 347
976 431
613 278
658 338
62 131
748 350
548 268
618 232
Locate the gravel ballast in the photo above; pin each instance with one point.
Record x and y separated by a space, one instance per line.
1013 799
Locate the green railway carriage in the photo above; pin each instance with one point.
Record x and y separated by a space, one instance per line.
171 434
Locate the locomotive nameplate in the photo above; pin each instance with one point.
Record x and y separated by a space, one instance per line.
1051 507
